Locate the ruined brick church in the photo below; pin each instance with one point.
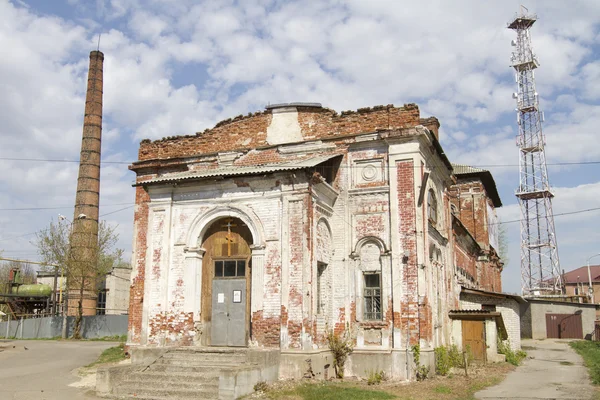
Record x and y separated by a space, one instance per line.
270 230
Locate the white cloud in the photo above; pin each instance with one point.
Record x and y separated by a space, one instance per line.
450 57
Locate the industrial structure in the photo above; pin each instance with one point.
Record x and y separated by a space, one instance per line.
26 300
84 235
540 273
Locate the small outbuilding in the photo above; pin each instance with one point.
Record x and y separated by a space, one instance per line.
483 318
556 319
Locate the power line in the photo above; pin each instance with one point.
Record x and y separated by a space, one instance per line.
58 161
304 166
556 215
33 233
58 208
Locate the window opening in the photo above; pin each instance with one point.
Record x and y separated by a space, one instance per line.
432 207
230 268
372 295
321 267
101 307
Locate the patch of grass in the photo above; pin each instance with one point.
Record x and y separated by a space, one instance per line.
566 363
590 351
442 389
114 338
110 355
451 387
331 391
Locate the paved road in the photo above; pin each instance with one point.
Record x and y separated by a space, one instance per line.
555 371
45 370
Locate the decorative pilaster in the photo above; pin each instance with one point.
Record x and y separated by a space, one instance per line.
193 281
258 274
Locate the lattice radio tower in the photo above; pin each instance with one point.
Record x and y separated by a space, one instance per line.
539 255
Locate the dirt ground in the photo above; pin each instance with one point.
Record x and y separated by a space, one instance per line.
453 386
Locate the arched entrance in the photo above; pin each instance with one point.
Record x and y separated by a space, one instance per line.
226 282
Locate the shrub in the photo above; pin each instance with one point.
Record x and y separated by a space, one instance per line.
376 377
261 386
341 347
512 357
442 360
422 371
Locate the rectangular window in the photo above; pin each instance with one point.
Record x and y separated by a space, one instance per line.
230 268
101 308
372 296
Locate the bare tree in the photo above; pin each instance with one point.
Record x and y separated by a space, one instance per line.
84 270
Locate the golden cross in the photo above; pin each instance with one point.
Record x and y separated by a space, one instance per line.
229 236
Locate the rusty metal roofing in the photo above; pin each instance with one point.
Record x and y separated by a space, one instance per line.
235 170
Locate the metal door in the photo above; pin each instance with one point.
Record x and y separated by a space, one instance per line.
564 326
474 337
228 312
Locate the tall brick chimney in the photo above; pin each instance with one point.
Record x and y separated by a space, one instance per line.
84 236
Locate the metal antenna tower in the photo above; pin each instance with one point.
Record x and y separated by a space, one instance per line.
540 274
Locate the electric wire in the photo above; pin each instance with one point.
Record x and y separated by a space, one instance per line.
304 166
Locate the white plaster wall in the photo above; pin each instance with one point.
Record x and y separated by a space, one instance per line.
284 127
508 308
117 297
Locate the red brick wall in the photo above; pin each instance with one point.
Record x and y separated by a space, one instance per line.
408 241
136 292
251 131
472 209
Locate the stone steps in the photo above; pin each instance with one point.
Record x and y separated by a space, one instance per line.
169 393
183 374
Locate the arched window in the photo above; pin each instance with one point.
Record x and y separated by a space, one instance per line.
432 208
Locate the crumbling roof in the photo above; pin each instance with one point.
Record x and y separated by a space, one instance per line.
466 171
233 170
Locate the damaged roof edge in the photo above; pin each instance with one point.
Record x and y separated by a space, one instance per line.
234 170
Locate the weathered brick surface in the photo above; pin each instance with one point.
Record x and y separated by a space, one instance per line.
250 132
407 231
288 209
136 291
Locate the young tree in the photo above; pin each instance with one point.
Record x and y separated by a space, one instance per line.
503 243
84 270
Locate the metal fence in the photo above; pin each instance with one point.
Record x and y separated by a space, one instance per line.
93 327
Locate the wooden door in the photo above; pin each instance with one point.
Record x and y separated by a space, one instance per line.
564 326
473 334
227 239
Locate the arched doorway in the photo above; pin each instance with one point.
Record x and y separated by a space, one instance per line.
226 282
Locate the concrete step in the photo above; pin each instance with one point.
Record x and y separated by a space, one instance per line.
171 393
173 378
204 356
143 384
205 369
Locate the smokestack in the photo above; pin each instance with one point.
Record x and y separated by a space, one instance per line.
84 237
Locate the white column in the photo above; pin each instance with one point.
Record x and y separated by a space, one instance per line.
258 278
193 281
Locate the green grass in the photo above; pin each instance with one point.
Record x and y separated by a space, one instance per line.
114 338
110 355
328 391
590 351
566 363
442 389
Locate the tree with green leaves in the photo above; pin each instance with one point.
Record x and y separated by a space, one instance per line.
84 272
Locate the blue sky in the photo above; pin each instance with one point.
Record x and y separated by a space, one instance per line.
179 66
